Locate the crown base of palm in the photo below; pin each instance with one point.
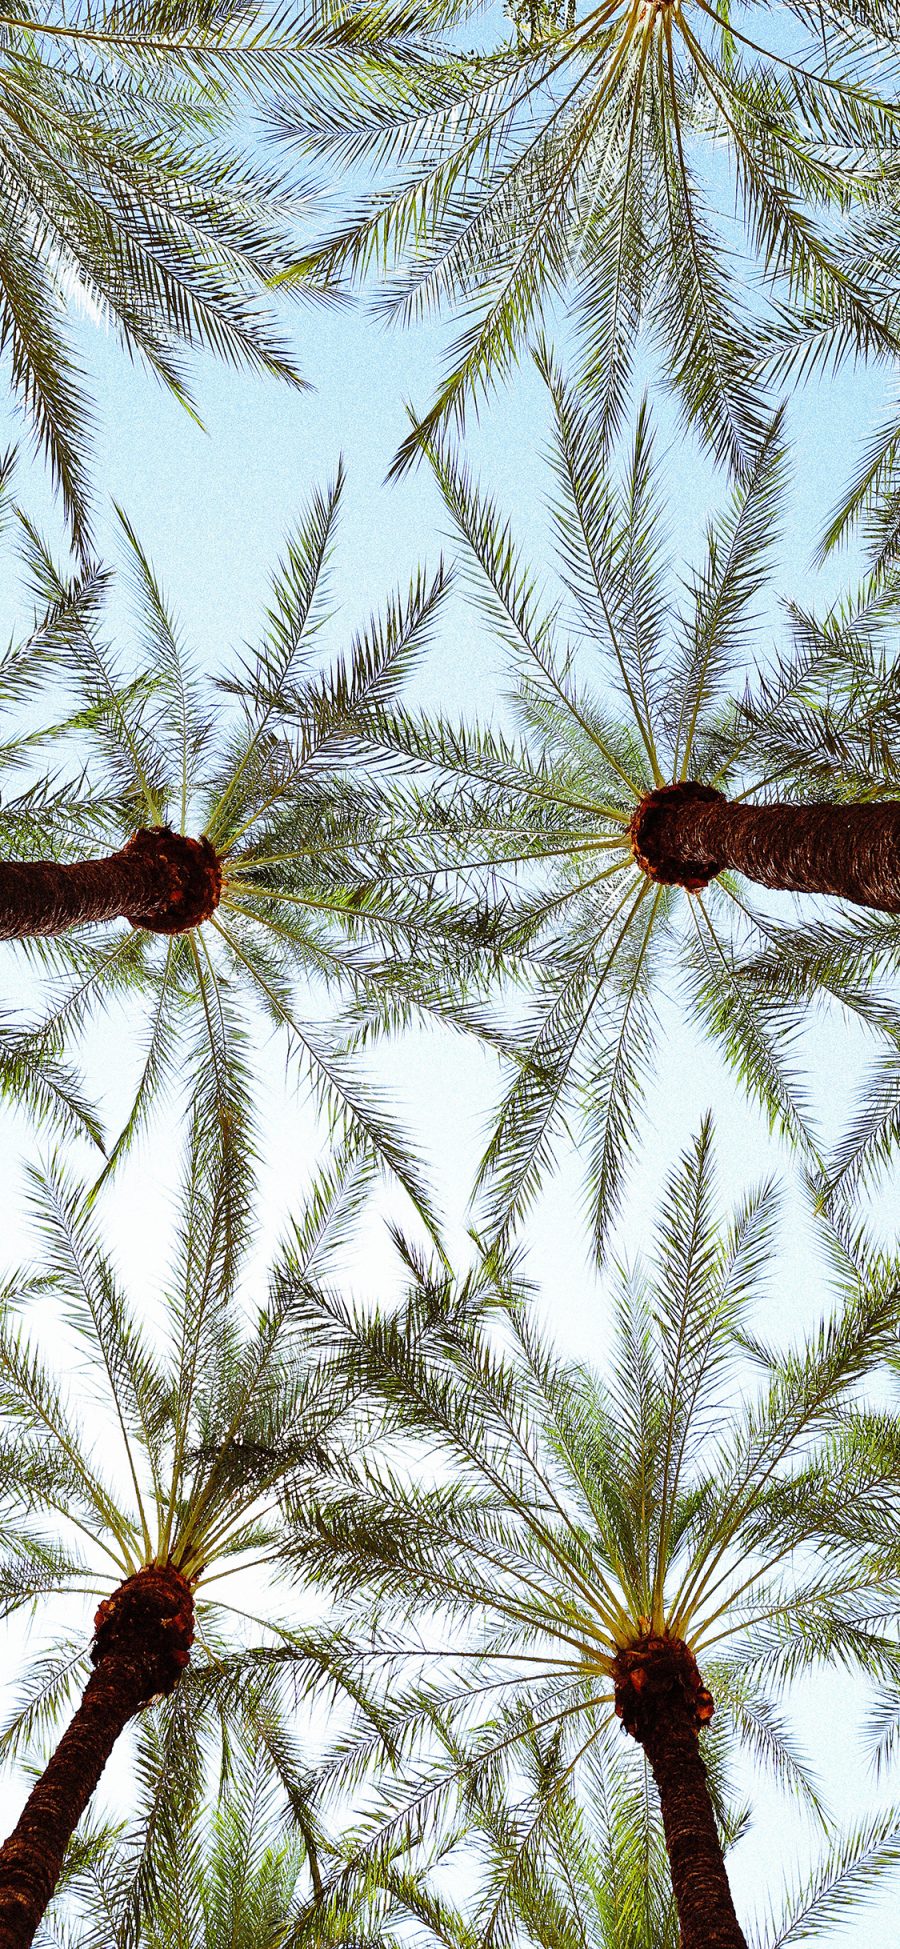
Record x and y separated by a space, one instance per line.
150 1619
652 1673
192 872
655 829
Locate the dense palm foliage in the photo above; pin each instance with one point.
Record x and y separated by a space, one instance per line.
123 195
235 1875
603 1883
599 152
566 1518
192 1428
34 798
598 1877
236 1878
263 759
626 676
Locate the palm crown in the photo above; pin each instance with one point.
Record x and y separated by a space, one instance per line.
261 760
593 153
572 1519
621 685
183 1450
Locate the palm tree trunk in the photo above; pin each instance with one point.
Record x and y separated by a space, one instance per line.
661 1699
706 1914
685 834
160 880
142 1643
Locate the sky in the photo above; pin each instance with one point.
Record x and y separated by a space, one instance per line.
211 507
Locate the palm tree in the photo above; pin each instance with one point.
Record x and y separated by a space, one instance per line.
252 861
640 1548
121 191
601 834
192 1432
599 153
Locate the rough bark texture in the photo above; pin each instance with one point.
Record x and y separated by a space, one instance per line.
161 880
142 1644
662 1702
685 834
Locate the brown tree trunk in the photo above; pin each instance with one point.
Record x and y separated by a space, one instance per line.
685 834
662 1702
160 880
143 1637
